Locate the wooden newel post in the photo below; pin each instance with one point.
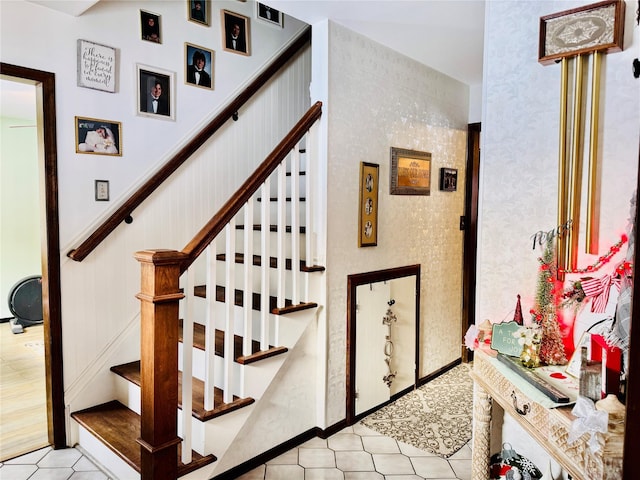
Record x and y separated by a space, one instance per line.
159 297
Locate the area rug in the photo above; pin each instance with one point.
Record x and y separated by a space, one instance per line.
435 417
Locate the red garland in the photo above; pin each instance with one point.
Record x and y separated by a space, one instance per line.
603 260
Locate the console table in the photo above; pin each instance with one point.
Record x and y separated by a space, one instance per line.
548 426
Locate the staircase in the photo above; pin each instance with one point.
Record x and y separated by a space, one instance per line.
222 321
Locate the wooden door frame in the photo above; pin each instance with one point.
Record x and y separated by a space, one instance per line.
50 245
470 232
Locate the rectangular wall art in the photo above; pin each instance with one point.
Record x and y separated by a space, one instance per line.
368 207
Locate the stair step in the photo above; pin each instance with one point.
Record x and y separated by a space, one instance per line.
273 262
199 333
131 372
272 228
119 429
201 291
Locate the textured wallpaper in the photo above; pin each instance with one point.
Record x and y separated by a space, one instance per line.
379 98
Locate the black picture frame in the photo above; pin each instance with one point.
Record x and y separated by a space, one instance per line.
269 15
448 179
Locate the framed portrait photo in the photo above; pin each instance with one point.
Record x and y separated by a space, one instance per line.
150 27
99 137
410 172
198 66
269 15
156 92
448 179
368 207
96 66
235 32
199 11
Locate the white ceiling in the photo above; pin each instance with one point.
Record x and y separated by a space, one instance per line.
446 35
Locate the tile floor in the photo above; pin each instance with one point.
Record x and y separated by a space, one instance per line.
355 453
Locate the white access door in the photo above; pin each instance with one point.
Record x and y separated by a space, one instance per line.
371 390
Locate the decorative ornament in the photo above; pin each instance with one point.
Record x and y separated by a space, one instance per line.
517 317
589 421
615 248
551 346
529 338
510 465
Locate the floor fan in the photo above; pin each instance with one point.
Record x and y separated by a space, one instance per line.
25 303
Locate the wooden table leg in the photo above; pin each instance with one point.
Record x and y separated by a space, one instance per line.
482 404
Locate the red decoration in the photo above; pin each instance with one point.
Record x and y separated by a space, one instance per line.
615 248
517 317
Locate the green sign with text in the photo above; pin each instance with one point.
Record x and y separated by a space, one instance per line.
503 339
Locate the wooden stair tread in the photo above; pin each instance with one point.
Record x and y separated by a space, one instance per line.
201 291
273 262
119 429
199 333
131 372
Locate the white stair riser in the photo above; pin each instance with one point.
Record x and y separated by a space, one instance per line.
107 459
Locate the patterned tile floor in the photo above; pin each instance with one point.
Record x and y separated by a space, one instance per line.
355 453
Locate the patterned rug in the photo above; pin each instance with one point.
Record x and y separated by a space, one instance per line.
435 417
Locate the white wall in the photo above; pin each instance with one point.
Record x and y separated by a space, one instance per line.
378 98
19 204
520 159
146 142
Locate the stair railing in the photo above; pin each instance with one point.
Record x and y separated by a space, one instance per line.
123 213
161 271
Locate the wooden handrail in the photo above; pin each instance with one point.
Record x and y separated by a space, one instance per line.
206 235
85 248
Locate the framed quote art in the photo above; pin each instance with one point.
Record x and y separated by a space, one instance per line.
368 205
410 172
96 66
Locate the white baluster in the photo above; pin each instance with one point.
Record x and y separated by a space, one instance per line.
295 225
281 235
210 328
264 268
229 307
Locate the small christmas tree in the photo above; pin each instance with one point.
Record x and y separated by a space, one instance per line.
548 295
517 317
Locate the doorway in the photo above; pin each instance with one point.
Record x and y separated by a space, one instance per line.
44 84
383 312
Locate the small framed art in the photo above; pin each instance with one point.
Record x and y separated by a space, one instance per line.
269 15
156 92
150 27
592 28
410 172
198 11
198 66
235 32
368 206
102 190
102 137
96 66
448 179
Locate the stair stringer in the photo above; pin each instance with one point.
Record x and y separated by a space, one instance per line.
284 411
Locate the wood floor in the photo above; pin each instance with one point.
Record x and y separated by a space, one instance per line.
23 411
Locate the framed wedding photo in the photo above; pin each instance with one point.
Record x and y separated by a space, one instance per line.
156 92
235 32
150 27
410 172
199 11
99 137
269 15
368 206
198 66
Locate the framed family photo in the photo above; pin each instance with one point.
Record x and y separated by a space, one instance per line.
199 11
156 92
410 172
235 32
269 15
96 66
368 206
95 136
150 27
198 66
